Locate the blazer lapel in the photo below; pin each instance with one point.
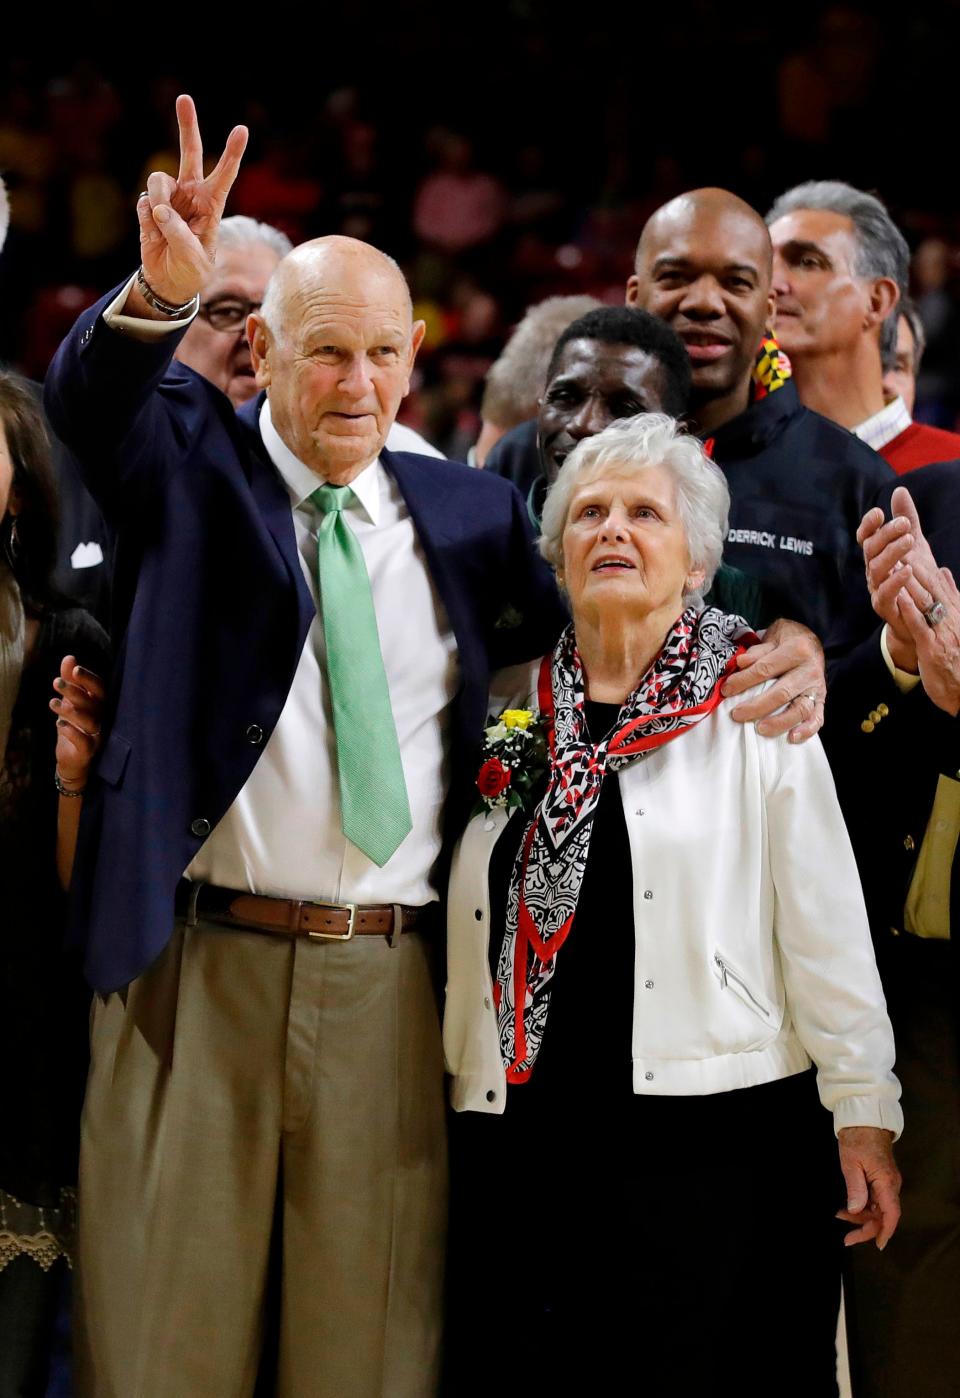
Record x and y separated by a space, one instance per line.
273 505
428 510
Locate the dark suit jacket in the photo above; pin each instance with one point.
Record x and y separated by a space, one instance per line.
887 778
211 612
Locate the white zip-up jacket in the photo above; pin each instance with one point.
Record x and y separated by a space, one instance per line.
753 953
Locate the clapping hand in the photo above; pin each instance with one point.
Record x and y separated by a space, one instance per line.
179 217
917 599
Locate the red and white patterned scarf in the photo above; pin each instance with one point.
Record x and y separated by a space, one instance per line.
681 687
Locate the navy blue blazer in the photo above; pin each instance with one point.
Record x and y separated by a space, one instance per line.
211 612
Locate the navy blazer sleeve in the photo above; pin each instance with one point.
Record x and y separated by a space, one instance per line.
122 408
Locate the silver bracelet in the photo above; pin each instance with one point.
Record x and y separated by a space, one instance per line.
152 299
66 790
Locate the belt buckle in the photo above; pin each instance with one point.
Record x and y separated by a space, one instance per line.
350 908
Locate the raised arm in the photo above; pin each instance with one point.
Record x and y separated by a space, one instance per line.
180 218
102 393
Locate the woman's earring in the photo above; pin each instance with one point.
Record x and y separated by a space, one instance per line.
11 544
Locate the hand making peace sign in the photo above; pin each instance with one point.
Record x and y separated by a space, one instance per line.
179 217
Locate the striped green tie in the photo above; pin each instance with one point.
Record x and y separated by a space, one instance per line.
374 810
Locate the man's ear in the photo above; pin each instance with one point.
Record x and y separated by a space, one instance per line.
417 333
633 290
258 338
772 312
884 295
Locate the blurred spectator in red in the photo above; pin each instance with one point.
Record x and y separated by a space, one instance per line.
457 207
824 80
515 381
277 188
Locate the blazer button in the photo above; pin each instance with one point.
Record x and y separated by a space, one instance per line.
255 734
491 1096
908 843
200 827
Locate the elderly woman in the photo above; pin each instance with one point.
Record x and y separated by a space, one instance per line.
650 945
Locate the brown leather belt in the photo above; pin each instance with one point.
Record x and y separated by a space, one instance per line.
292 917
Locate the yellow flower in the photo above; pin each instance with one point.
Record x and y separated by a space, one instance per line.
517 718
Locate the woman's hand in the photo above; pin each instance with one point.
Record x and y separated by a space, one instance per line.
873 1184
791 654
79 707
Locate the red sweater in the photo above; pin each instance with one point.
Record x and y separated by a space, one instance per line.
918 445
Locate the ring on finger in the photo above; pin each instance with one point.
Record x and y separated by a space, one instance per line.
934 614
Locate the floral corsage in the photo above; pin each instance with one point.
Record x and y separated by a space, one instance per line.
514 760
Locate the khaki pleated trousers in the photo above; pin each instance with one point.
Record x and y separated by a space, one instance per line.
245 1086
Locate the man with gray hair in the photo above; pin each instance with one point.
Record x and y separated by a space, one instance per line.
248 254
841 266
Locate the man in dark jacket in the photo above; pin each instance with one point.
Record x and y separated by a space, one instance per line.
799 484
894 744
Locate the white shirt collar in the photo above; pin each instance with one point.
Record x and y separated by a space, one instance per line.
301 482
882 427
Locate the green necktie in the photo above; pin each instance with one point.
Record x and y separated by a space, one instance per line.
374 810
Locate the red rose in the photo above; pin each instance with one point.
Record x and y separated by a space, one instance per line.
493 778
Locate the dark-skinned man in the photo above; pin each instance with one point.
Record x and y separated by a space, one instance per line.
799 484
613 363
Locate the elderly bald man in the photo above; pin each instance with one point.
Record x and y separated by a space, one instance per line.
799 484
311 622
248 253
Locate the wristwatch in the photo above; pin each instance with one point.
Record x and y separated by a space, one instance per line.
152 299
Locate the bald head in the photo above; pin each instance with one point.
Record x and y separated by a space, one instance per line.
704 265
700 212
334 261
333 344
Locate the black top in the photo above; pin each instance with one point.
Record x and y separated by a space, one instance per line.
43 1019
799 486
591 1004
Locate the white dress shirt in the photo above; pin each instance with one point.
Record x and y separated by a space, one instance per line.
881 428
282 834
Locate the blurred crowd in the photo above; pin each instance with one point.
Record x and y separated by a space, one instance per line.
492 194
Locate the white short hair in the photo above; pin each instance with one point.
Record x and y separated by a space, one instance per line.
635 443
239 231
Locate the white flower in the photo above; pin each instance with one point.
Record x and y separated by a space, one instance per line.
497 733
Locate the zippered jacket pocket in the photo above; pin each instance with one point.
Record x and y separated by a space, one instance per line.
731 979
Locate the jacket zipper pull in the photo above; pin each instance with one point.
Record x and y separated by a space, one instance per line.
723 971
